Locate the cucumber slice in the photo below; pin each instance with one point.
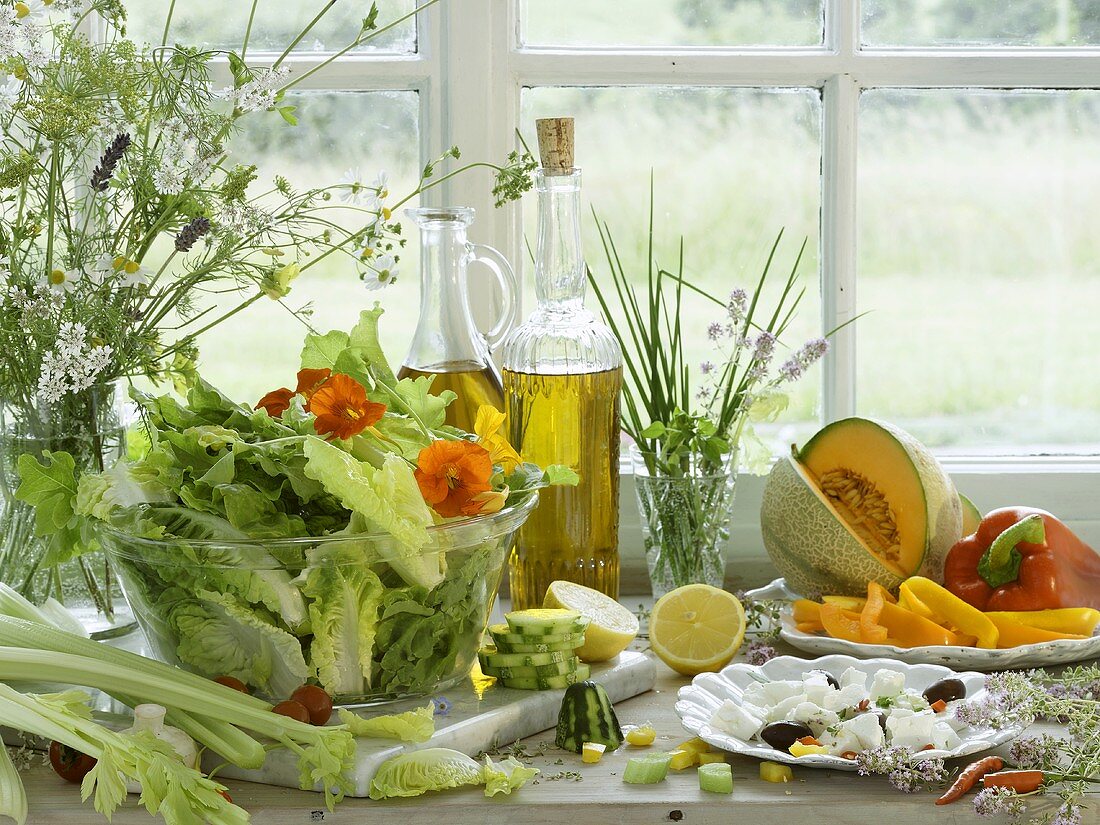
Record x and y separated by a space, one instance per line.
532 671
546 622
503 636
567 647
716 777
646 770
493 657
549 682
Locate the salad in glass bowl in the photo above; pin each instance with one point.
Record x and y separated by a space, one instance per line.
338 533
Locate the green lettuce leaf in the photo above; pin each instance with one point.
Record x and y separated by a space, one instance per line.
50 487
370 492
411 726
320 351
430 769
506 776
344 616
220 634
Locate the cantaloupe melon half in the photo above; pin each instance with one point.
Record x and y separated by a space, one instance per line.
862 501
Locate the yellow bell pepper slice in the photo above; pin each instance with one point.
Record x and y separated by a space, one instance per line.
682 759
853 603
871 630
805 611
798 749
1014 634
1080 621
774 772
841 624
710 758
926 598
905 628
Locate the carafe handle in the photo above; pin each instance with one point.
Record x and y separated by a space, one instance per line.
508 288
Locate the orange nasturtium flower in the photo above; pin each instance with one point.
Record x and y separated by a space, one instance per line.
452 474
309 381
342 408
276 402
487 426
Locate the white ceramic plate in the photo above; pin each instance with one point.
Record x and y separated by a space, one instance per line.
698 701
1060 652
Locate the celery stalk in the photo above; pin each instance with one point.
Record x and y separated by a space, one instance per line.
13 796
324 753
224 738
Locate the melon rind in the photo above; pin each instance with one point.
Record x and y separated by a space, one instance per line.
816 552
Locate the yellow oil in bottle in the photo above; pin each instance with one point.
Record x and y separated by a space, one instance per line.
472 383
573 533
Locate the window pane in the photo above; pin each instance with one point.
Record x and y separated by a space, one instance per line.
979 261
731 167
981 23
222 25
643 23
372 130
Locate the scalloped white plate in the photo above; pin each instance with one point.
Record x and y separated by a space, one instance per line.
698 701
1060 652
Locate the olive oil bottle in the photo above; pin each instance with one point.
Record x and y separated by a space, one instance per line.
562 379
447 346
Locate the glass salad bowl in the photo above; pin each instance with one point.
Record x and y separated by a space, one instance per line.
361 615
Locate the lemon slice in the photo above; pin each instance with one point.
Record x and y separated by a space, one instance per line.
697 628
611 627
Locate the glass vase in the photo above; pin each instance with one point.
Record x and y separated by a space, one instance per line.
685 519
67 566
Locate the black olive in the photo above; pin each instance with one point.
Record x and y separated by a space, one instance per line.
947 690
828 678
881 721
781 735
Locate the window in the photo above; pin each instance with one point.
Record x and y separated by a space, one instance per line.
938 156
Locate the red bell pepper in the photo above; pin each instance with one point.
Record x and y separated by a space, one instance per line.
1022 558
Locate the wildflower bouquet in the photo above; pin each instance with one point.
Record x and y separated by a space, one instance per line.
126 220
691 434
338 532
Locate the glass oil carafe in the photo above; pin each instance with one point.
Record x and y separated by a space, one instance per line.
447 345
562 379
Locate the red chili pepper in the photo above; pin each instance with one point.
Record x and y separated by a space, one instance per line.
1019 781
969 778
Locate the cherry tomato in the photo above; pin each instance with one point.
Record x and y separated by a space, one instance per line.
69 763
316 701
232 682
292 709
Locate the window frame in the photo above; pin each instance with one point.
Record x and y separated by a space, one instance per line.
471 67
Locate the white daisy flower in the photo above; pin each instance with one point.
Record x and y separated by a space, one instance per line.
32 11
382 273
354 190
381 185
63 280
131 273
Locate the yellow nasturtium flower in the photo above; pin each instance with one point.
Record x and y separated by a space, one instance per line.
487 427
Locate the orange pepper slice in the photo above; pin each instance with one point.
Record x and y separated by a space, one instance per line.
907 629
870 630
841 624
803 610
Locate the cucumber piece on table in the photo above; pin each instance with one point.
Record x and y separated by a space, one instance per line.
549 682
546 622
532 671
646 770
494 657
716 777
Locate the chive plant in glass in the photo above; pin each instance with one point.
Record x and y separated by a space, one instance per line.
692 428
128 228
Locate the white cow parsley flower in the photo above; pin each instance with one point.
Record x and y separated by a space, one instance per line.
73 365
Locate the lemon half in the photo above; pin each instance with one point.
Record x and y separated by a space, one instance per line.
611 626
697 628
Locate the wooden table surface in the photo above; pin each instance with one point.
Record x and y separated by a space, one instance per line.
598 798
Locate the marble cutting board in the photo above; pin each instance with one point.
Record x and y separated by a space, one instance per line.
483 715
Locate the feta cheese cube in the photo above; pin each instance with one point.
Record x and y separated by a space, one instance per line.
841 742
817 717
816 687
736 720
944 736
852 676
912 700
913 731
887 684
766 694
780 710
867 730
848 696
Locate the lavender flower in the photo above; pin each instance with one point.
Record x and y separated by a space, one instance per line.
108 163
1068 814
191 233
758 652
737 305
764 347
715 331
994 801
706 368
807 355
905 772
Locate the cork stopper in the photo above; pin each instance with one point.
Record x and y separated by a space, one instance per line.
555 144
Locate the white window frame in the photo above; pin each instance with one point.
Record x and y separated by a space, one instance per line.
471 68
